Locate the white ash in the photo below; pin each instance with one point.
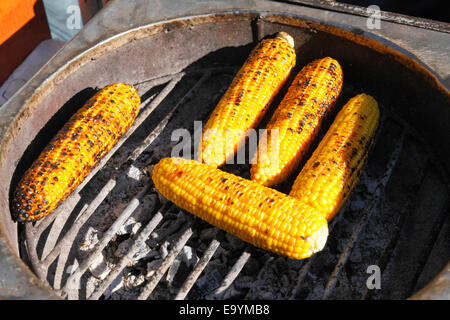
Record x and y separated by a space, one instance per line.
91 238
139 216
163 250
131 281
125 246
131 226
99 267
73 267
134 173
188 256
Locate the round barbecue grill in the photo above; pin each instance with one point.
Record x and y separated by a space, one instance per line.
114 237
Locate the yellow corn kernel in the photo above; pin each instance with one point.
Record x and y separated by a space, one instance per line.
75 150
259 215
297 121
247 99
333 171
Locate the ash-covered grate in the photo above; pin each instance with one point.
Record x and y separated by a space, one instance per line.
115 238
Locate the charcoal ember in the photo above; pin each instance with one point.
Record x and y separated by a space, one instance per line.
244 282
233 242
169 227
209 233
113 292
152 266
206 285
148 204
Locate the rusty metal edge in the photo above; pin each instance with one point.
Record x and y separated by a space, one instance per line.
384 15
28 285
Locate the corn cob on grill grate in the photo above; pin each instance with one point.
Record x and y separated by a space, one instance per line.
330 175
75 150
297 121
247 99
262 216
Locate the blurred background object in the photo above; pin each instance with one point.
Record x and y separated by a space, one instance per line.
23 26
32 31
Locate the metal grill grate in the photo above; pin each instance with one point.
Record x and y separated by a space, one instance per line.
369 229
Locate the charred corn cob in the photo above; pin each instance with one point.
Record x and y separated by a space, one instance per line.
76 149
262 216
296 121
247 99
330 175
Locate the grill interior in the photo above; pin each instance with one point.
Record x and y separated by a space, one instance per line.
115 238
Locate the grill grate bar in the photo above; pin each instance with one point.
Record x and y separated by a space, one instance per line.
126 213
161 125
232 275
388 251
201 264
150 286
431 243
395 156
137 244
307 263
85 214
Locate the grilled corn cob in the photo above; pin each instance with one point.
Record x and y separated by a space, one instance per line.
247 99
296 121
76 149
330 175
262 216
